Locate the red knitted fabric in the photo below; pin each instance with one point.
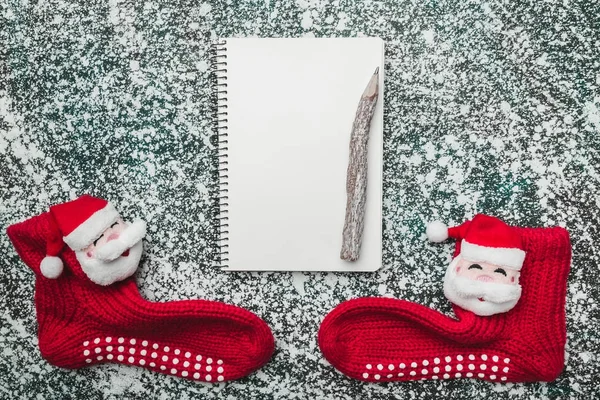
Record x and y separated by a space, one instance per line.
81 323
383 339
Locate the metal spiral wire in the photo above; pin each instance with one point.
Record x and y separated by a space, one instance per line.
218 58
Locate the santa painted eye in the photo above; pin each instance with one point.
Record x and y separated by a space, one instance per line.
113 225
500 271
96 241
475 266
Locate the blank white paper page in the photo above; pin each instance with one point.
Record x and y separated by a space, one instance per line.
291 104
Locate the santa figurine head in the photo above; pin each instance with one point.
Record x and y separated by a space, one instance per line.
484 276
107 248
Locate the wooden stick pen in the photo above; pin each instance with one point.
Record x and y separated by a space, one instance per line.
356 179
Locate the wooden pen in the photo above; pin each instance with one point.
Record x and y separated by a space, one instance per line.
356 179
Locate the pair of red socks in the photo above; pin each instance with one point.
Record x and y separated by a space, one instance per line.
82 322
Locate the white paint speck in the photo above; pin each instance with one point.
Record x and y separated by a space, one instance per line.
592 113
585 356
343 20
202 66
307 21
298 280
205 8
429 36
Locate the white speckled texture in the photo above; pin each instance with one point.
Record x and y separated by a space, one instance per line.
490 107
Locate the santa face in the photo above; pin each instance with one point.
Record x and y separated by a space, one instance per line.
112 233
115 254
486 272
483 288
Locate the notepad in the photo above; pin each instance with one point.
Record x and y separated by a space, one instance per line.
285 114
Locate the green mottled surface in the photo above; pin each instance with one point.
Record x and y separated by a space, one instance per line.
489 107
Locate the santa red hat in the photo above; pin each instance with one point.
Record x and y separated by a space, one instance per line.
77 223
484 239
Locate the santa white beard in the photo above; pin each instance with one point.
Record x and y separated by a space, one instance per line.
465 293
107 272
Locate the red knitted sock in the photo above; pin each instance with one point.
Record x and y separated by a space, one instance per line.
81 323
382 339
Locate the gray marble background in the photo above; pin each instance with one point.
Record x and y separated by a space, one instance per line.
489 107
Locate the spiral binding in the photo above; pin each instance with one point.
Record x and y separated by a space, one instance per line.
218 58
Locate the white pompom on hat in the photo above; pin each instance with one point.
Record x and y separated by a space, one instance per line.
52 266
437 231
